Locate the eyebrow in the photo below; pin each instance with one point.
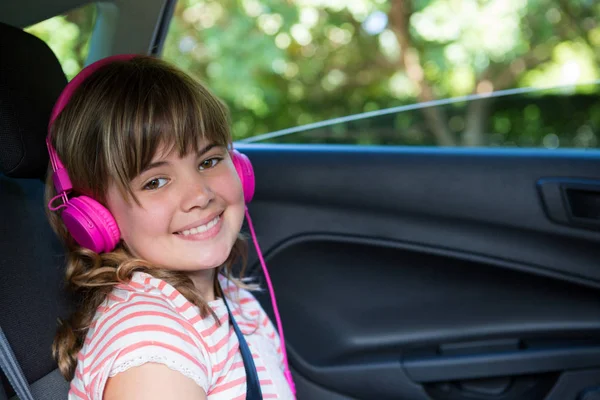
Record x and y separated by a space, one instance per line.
201 152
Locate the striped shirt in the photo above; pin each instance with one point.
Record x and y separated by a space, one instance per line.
148 320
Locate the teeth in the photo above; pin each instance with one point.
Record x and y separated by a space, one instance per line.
201 228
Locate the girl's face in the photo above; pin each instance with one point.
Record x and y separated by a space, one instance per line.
190 213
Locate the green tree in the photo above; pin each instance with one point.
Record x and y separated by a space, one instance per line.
68 36
283 64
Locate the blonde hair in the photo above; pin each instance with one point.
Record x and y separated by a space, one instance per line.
109 131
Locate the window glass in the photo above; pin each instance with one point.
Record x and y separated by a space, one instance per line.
280 65
542 119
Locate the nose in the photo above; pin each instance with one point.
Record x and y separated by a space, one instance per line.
196 193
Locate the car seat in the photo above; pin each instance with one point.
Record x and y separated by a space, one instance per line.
32 293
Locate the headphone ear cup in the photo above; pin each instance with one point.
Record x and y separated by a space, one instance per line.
91 224
244 169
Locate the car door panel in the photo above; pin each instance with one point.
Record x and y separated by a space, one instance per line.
402 270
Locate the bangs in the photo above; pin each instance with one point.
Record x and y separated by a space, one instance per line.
160 110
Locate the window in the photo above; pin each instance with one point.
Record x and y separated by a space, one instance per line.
68 36
280 65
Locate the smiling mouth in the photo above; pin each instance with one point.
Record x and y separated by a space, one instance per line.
201 228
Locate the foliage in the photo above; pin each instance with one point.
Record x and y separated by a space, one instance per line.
279 64
68 36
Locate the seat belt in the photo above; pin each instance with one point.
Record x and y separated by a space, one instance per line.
253 391
12 369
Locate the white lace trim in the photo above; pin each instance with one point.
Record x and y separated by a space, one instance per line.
140 360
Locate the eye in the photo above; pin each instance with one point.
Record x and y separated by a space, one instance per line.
209 163
155 183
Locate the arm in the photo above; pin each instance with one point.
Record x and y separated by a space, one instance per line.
152 381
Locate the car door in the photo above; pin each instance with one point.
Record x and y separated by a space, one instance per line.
432 273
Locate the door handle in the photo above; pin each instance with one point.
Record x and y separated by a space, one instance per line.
573 202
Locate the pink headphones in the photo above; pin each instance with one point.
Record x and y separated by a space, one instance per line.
91 224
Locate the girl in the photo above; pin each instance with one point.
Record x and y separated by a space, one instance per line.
145 192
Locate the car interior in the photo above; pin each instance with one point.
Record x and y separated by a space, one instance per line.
400 273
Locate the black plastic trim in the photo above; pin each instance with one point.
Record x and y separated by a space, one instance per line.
162 27
423 249
438 369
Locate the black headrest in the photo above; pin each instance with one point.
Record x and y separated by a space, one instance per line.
31 257
31 80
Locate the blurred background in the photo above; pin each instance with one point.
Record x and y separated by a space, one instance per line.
495 73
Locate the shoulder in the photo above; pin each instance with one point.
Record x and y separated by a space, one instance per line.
241 300
237 294
254 321
140 324
135 309
248 311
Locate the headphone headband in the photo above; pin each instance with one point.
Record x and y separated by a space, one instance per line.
68 91
61 179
